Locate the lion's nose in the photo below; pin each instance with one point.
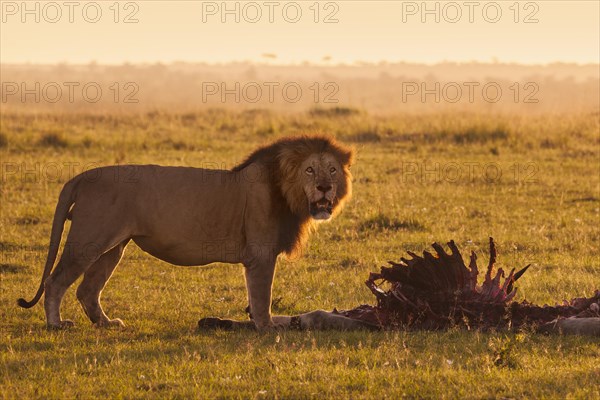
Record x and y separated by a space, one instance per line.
324 188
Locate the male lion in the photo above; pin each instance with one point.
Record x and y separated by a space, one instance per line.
191 216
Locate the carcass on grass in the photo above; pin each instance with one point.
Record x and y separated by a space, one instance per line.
439 291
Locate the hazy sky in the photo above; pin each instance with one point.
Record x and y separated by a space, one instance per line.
345 31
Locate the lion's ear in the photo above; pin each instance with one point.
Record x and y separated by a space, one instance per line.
348 156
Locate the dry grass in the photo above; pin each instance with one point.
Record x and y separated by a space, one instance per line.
530 181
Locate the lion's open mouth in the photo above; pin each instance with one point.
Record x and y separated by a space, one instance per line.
321 209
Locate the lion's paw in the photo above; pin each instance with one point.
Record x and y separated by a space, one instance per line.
64 324
110 323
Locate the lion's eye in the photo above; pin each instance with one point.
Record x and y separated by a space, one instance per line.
332 170
310 170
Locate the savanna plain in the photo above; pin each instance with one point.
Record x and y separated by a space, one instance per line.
529 180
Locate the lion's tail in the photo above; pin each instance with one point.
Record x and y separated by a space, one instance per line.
65 201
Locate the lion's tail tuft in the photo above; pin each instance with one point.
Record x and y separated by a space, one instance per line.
26 304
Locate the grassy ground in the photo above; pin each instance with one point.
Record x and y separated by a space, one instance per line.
530 182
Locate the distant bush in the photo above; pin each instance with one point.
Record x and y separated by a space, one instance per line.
189 118
478 135
382 222
12 268
3 140
333 111
266 130
175 145
257 112
53 140
87 142
473 134
368 136
27 221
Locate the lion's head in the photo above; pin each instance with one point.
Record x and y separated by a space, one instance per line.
311 177
315 177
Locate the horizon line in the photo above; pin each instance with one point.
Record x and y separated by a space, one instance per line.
358 63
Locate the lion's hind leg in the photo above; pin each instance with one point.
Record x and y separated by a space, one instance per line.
94 281
72 264
77 257
55 287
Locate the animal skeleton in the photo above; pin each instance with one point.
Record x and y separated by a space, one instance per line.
438 291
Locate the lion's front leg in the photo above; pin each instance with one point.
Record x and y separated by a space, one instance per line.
259 282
